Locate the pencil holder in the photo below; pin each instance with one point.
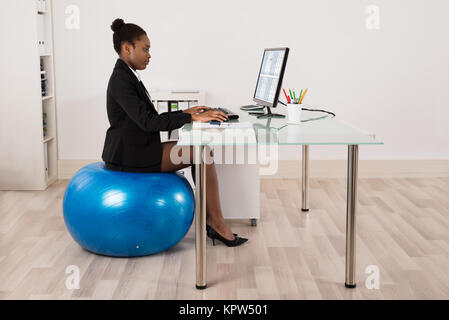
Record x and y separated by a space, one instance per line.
294 113
293 133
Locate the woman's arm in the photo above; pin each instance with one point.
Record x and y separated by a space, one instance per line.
125 94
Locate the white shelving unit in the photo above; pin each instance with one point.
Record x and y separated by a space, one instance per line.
49 138
30 147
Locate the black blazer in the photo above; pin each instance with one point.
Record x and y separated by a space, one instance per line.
133 141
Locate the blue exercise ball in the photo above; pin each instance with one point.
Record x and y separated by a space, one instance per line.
126 214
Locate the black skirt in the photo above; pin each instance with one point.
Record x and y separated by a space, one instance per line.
153 169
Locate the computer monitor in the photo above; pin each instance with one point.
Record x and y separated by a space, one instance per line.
269 82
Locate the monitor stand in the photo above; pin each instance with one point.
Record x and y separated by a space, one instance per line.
270 115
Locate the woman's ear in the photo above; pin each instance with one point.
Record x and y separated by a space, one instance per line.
126 48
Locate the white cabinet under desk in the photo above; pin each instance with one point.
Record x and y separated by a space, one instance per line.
238 177
239 187
239 183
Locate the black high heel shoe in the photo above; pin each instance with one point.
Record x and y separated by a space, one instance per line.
209 227
214 235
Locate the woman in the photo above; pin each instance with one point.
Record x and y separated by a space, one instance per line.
133 142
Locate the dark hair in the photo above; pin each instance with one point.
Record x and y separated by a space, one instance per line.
125 32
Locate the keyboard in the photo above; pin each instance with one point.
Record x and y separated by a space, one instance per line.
231 115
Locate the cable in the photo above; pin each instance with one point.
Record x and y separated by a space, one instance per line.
315 110
282 103
320 110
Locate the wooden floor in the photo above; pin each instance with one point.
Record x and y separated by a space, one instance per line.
402 228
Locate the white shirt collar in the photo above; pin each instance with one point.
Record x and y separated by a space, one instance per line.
135 73
138 78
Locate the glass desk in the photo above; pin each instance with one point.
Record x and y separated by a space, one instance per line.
316 128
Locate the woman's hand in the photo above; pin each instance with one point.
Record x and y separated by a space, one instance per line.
209 115
199 109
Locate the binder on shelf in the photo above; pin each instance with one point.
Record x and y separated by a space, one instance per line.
44 87
174 105
162 106
44 116
183 105
193 104
43 83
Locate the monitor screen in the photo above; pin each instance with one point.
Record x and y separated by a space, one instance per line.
271 75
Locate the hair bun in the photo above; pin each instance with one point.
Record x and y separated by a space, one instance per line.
117 25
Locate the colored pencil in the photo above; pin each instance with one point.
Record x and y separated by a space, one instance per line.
304 94
286 96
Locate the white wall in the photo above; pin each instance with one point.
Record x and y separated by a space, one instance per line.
392 81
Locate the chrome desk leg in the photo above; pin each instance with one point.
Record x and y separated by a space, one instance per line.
351 204
200 218
305 178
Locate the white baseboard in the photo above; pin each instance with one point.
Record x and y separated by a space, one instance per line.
325 168
67 168
367 169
